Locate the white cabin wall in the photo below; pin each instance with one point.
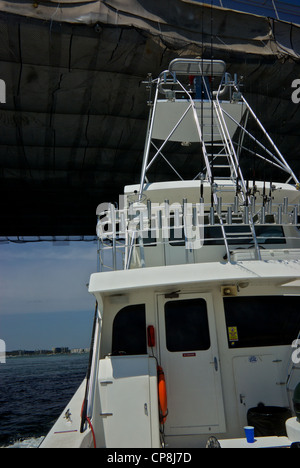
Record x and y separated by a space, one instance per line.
292 233
234 425
229 379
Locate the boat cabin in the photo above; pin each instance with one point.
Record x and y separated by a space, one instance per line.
199 276
198 283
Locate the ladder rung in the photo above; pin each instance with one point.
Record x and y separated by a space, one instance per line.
225 190
218 155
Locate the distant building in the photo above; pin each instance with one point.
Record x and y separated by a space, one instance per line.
60 350
79 350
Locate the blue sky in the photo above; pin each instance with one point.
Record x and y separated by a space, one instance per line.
44 300
286 9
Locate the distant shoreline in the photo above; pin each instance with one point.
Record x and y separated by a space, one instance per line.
45 352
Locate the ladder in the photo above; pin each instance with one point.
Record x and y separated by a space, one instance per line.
200 128
219 150
227 154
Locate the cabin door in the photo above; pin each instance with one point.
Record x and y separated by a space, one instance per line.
190 360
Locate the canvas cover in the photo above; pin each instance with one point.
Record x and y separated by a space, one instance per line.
74 122
175 20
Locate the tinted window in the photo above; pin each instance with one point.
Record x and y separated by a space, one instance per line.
262 320
187 325
270 234
242 235
129 331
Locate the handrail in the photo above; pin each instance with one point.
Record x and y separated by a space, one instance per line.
237 244
281 166
239 172
205 155
91 376
225 217
219 116
225 139
270 140
200 67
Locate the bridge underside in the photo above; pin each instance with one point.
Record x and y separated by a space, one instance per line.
74 122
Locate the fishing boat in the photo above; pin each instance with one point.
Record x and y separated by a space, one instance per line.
197 316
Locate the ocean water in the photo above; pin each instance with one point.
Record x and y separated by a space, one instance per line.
33 393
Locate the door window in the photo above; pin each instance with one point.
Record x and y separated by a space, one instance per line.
187 325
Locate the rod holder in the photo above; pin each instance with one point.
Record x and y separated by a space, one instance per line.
194 216
219 206
212 216
263 215
252 204
246 215
279 214
285 205
236 205
229 215
295 215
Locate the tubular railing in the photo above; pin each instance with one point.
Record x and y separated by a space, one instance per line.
134 237
194 226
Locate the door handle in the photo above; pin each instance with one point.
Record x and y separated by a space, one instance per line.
215 363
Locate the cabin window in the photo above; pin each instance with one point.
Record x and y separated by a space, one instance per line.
270 234
187 325
237 235
129 331
262 320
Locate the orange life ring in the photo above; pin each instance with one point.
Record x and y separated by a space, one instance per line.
162 395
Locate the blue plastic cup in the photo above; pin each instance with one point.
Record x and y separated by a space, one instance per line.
249 432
